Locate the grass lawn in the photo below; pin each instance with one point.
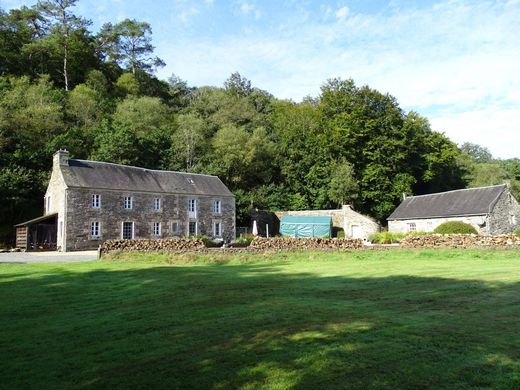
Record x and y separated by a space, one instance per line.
391 319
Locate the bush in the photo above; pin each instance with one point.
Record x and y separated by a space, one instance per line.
242 241
386 238
455 227
517 232
340 234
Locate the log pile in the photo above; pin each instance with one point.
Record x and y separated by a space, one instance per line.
169 245
286 243
459 241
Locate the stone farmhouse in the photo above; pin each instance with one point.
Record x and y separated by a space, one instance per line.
88 202
490 210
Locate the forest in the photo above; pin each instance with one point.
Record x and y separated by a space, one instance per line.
95 93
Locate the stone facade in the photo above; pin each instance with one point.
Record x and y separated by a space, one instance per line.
502 219
354 224
76 213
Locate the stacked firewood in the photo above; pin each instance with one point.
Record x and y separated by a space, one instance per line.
152 245
459 241
287 243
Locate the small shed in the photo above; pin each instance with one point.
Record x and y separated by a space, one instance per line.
306 226
37 234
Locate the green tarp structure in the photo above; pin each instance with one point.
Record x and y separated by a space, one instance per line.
304 226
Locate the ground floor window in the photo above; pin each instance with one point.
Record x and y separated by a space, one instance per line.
412 227
128 230
192 228
174 227
95 229
217 229
156 229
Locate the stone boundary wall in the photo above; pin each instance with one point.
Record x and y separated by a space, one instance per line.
286 243
460 241
170 245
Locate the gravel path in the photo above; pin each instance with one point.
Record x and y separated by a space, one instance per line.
47 257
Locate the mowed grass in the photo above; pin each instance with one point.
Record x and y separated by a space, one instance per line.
403 319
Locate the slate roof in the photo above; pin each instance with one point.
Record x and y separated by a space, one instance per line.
102 175
471 201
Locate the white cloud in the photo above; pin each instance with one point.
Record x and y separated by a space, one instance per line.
342 13
494 128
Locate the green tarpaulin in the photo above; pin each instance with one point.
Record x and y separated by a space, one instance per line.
303 226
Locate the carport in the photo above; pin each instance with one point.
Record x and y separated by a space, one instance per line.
38 234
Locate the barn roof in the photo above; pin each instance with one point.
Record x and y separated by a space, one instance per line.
103 175
471 201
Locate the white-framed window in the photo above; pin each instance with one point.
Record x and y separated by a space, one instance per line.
429 226
156 229
157 204
95 229
129 202
412 227
127 230
217 229
217 206
192 208
96 201
192 228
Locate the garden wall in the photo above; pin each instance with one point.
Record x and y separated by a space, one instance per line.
170 245
286 243
459 241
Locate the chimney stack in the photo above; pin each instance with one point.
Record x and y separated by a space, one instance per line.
61 158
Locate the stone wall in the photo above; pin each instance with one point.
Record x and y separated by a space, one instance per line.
56 193
353 223
288 243
460 241
168 245
505 217
173 216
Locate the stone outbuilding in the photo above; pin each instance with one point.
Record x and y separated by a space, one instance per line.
89 202
354 224
490 210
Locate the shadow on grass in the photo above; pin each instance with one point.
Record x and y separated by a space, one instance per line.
252 326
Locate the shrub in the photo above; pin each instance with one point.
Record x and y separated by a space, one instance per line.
243 240
340 234
455 227
386 238
517 232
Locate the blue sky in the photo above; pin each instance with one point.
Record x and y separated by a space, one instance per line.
456 62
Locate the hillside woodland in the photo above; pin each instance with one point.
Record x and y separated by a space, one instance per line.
95 93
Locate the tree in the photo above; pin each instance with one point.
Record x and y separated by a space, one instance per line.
129 43
238 86
188 140
343 187
478 153
84 105
61 23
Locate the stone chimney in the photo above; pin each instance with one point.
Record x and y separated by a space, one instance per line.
60 158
